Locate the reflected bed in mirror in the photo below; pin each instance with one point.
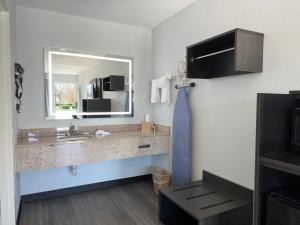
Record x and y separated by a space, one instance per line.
80 85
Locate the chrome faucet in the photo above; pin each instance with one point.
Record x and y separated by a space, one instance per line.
73 130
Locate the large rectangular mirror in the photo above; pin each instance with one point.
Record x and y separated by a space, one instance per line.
80 85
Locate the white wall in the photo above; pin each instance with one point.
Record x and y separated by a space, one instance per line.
12 10
37 29
224 109
10 197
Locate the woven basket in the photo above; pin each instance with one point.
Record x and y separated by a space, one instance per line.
161 179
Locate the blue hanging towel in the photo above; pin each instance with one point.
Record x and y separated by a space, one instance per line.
182 136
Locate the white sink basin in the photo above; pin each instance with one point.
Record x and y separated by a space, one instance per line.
72 139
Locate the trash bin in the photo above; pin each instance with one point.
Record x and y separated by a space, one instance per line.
161 178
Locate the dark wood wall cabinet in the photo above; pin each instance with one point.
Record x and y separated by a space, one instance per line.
114 83
277 188
232 53
212 201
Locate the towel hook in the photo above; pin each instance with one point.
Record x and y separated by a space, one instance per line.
192 84
182 81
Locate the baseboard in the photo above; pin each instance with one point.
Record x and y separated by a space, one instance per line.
83 188
19 213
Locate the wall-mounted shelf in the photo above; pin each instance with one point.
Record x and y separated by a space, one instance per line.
288 162
114 83
232 53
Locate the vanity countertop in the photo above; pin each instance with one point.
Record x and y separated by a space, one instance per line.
58 140
52 151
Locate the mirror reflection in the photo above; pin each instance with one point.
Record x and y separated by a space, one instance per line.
79 85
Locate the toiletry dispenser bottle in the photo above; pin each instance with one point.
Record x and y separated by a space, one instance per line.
146 127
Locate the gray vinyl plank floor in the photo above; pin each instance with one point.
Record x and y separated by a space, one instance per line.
128 204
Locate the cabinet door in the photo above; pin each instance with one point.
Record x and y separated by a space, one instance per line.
134 147
161 144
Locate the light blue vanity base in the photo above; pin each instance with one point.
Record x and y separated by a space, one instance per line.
58 178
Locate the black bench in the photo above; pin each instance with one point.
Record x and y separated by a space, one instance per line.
213 201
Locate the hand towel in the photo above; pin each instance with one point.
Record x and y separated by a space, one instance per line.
161 90
155 96
165 89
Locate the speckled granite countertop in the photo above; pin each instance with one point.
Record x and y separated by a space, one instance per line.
35 152
57 140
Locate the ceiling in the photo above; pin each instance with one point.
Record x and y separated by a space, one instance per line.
68 65
143 13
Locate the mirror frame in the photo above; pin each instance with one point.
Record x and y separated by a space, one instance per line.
49 52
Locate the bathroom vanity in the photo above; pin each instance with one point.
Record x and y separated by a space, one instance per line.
39 149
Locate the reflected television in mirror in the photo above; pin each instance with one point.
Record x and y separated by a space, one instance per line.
80 85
